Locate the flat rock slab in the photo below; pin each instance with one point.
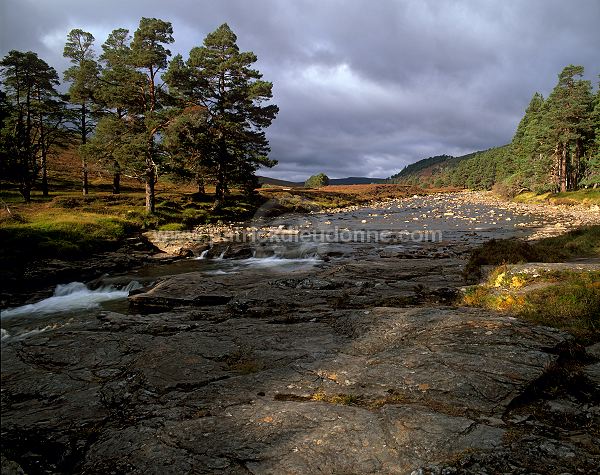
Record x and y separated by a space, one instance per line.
384 390
192 289
579 265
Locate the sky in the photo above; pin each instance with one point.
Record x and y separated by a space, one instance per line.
364 87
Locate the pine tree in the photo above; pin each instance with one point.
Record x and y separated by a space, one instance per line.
218 85
149 56
532 165
129 135
569 125
34 116
591 175
83 76
119 97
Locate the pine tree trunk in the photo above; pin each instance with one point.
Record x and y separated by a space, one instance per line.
556 167
150 176
219 195
574 185
44 175
200 183
84 177
564 171
116 186
25 190
150 181
84 169
221 176
150 204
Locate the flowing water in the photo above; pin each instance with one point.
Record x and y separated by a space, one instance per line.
77 301
456 222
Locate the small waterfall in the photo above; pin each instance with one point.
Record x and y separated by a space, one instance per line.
203 254
72 296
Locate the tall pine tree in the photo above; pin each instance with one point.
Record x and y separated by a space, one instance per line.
569 126
129 135
34 116
149 56
218 85
83 76
119 98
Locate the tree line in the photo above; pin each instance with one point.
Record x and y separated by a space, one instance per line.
556 147
138 112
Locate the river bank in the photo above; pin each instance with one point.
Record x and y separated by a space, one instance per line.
337 356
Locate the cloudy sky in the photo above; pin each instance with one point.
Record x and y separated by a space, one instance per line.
364 86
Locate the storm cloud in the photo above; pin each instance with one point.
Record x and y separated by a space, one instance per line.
364 87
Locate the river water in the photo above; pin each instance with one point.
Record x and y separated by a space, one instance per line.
436 222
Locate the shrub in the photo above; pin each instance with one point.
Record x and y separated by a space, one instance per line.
172 227
317 181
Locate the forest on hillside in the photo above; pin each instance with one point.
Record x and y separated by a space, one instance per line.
556 147
136 113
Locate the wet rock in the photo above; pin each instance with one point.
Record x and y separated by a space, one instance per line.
592 373
331 369
176 242
10 467
192 289
594 350
401 386
333 250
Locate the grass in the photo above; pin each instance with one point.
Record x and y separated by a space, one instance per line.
583 242
340 399
562 299
59 235
566 300
584 196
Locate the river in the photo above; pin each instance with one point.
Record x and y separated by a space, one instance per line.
440 222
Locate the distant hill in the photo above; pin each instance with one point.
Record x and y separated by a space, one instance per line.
440 170
265 180
356 180
554 148
424 167
352 180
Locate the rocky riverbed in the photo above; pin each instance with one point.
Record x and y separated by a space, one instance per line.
315 356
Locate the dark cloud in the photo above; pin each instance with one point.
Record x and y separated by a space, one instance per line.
364 87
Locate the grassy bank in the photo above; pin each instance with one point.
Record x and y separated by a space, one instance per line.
71 226
568 299
584 242
588 197
67 225
565 299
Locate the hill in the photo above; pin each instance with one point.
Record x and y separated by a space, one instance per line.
265 180
357 180
351 180
555 148
435 171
